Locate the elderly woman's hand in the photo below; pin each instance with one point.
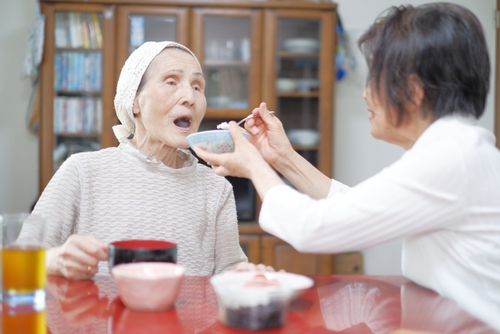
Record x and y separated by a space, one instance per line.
77 258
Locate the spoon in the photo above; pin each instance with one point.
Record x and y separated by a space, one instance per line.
225 125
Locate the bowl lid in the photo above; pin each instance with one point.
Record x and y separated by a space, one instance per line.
143 244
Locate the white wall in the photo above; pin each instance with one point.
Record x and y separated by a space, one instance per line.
357 155
18 147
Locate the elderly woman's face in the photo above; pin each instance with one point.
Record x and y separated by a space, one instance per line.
172 103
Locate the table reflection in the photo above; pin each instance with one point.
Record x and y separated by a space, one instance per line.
336 304
22 319
368 305
93 306
73 306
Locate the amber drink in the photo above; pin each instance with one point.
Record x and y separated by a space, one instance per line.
23 260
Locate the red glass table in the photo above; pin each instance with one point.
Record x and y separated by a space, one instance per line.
335 304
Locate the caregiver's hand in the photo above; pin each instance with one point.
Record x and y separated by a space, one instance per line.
245 161
77 258
268 135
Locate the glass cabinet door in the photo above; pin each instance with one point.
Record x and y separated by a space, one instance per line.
226 59
77 100
76 78
144 23
226 41
298 84
156 28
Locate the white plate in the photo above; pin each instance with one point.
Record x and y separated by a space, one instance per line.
301 44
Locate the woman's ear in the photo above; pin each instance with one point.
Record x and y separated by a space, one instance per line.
417 93
136 110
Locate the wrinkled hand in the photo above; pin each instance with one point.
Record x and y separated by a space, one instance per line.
77 258
241 163
268 135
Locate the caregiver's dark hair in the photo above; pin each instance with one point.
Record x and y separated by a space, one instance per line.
442 46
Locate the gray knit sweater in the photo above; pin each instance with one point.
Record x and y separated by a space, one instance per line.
119 193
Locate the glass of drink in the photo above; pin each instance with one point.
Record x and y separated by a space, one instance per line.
23 259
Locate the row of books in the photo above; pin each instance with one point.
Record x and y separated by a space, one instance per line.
78 71
77 30
77 115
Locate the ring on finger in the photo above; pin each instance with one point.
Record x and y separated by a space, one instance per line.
89 268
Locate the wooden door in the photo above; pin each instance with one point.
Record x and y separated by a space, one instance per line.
228 44
76 80
280 255
251 247
309 105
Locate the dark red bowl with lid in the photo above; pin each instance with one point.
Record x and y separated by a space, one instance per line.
129 251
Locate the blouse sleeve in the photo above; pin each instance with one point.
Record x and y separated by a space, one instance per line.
59 203
228 250
417 194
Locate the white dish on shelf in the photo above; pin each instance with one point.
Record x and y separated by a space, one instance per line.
286 85
301 44
307 85
303 137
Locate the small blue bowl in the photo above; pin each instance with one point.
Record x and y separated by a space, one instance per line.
215 141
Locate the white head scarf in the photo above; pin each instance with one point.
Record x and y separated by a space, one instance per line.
130 78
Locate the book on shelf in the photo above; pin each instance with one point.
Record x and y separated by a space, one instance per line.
77 30
85 31
60 31
77 115
78 71
97 29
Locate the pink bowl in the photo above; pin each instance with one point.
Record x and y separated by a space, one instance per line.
148 286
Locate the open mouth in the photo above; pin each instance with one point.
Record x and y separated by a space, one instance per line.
183 122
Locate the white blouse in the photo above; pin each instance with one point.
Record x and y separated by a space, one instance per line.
442 197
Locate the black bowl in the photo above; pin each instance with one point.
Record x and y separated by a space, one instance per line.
128 251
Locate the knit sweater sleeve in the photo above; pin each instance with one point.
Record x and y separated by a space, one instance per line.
59 203
228 250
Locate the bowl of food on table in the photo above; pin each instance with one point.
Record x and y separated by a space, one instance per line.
148 286
250 300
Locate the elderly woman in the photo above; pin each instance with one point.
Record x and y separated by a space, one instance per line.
149 186
427 83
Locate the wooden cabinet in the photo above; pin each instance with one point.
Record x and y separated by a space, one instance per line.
281 52
263 248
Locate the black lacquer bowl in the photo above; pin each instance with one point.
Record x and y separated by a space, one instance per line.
128 251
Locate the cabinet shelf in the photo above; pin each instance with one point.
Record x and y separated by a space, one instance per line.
82 49
289 54
82 93
77 134
313 94
225 63
305 147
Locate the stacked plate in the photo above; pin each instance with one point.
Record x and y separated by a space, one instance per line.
301 44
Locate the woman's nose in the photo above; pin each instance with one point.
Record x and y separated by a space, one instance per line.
187 95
